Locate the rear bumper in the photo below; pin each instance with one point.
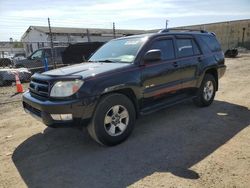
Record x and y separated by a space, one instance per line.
221 70
81 110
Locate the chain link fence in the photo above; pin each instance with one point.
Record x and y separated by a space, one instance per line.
20 60
19 64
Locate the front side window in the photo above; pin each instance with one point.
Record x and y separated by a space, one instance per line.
120 50
37 55
167 48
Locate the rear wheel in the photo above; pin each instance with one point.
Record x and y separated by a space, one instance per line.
113 120
206 92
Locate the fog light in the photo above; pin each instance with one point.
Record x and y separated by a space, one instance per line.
66 116
61 117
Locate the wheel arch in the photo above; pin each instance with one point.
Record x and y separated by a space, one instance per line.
214 73
128 92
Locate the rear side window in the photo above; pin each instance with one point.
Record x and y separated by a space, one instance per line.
167 48
187 47
212 43
47 53
184 47
59 51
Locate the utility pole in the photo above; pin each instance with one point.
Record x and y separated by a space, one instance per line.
114 30
167 24
88 37
51 45
11 46
243 36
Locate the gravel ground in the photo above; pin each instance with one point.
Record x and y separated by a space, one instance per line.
182 146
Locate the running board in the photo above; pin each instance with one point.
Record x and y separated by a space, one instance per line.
164 104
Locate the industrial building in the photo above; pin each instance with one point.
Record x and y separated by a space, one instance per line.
231 34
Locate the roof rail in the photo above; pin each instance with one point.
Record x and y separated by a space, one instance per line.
182 30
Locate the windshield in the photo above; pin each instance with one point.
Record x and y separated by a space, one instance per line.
37 54
121 50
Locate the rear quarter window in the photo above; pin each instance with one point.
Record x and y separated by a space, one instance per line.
212 43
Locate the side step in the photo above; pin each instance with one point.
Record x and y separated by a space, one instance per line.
164 104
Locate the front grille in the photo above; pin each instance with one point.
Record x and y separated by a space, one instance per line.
39 87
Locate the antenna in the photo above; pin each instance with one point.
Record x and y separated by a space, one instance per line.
167 23
114 30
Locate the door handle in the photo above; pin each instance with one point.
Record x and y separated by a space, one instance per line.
175 64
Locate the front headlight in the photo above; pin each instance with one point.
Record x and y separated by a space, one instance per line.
65 88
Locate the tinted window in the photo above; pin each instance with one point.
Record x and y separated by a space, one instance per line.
59 51
166 47
184 47
196 48
37 55
212 43
47 53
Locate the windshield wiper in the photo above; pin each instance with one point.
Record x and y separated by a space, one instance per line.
105 61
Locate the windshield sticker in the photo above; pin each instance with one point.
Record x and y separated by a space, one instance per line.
132 42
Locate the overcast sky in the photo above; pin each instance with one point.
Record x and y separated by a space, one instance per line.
17 15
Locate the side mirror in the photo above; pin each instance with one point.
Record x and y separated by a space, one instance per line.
152 55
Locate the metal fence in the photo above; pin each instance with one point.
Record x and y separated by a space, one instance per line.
13 72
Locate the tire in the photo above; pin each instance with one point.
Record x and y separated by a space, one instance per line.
106 127
206 92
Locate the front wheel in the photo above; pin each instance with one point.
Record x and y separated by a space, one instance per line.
113 120
206 92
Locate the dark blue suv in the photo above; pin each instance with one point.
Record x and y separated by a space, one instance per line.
126 78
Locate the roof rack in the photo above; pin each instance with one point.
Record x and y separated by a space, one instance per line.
182 30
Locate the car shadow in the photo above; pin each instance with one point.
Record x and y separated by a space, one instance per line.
172 140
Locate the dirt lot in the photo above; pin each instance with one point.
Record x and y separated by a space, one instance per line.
182 146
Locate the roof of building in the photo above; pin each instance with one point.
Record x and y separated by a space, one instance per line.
69 30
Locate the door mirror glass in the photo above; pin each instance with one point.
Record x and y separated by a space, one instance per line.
152 55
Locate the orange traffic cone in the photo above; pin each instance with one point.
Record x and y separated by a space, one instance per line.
19 87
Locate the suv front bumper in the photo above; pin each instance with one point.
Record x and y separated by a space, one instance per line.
81 110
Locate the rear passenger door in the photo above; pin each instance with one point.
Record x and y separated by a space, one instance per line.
188 60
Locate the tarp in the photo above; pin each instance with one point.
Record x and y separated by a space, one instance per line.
7 75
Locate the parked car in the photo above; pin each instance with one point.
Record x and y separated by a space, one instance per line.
5 62
35 62
19 56
7 75
126 78
79 52
9 59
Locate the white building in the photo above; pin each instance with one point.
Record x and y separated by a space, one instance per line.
38 36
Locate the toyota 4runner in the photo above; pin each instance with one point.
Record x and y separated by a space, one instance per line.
128 77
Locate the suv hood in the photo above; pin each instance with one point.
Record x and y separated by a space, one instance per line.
86 69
